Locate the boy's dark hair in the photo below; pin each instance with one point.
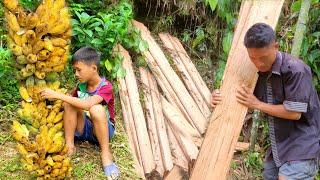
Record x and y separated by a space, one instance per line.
87 55
259 35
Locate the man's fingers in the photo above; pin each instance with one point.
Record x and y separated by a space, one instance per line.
216 98
242 93
241 97
242 102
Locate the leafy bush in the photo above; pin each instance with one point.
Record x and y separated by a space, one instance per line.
103 31
8 84
310 51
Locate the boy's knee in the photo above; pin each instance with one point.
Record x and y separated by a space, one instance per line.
97 111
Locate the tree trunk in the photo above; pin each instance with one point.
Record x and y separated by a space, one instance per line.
300 28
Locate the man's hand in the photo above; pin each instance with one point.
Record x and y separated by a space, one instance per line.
245 97
216 98
50 94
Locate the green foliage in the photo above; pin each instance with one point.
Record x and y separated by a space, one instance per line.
310 52
8 84
253 161
227 13
103 31
212 4
30 4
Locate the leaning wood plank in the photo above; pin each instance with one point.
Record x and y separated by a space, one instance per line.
151 122
191 107
165 85
178 122
225 126
160 124
137 112
129 125
197 79
187 145
127 119
186 77
178 155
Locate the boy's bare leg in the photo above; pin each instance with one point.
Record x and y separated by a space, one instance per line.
98 117
73 120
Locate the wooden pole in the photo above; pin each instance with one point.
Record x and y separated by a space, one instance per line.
165 85
178 122
151 123
226 123
184 74
138 116
160 124
178 155
197 79
129 126
191 107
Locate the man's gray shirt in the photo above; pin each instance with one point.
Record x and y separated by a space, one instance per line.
291 85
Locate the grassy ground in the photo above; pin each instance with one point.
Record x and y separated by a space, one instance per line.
86 161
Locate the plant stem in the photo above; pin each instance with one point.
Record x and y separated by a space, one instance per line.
300 28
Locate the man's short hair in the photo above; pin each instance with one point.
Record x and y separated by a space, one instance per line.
259 35
88 55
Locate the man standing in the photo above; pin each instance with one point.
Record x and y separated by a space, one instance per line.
285 93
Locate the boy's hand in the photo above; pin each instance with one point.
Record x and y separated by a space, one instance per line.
245 97
49 94
216 98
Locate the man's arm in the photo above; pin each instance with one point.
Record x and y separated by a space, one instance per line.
245 97
74 101
278 111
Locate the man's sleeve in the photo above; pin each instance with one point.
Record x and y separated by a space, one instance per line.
106 92
297 89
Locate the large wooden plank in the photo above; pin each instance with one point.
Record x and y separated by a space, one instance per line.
224 128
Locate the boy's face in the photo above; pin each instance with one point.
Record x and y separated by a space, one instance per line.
84 71
263 58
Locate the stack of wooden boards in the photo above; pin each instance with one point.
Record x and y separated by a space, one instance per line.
165 127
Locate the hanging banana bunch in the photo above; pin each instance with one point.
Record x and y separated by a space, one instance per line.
40 43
